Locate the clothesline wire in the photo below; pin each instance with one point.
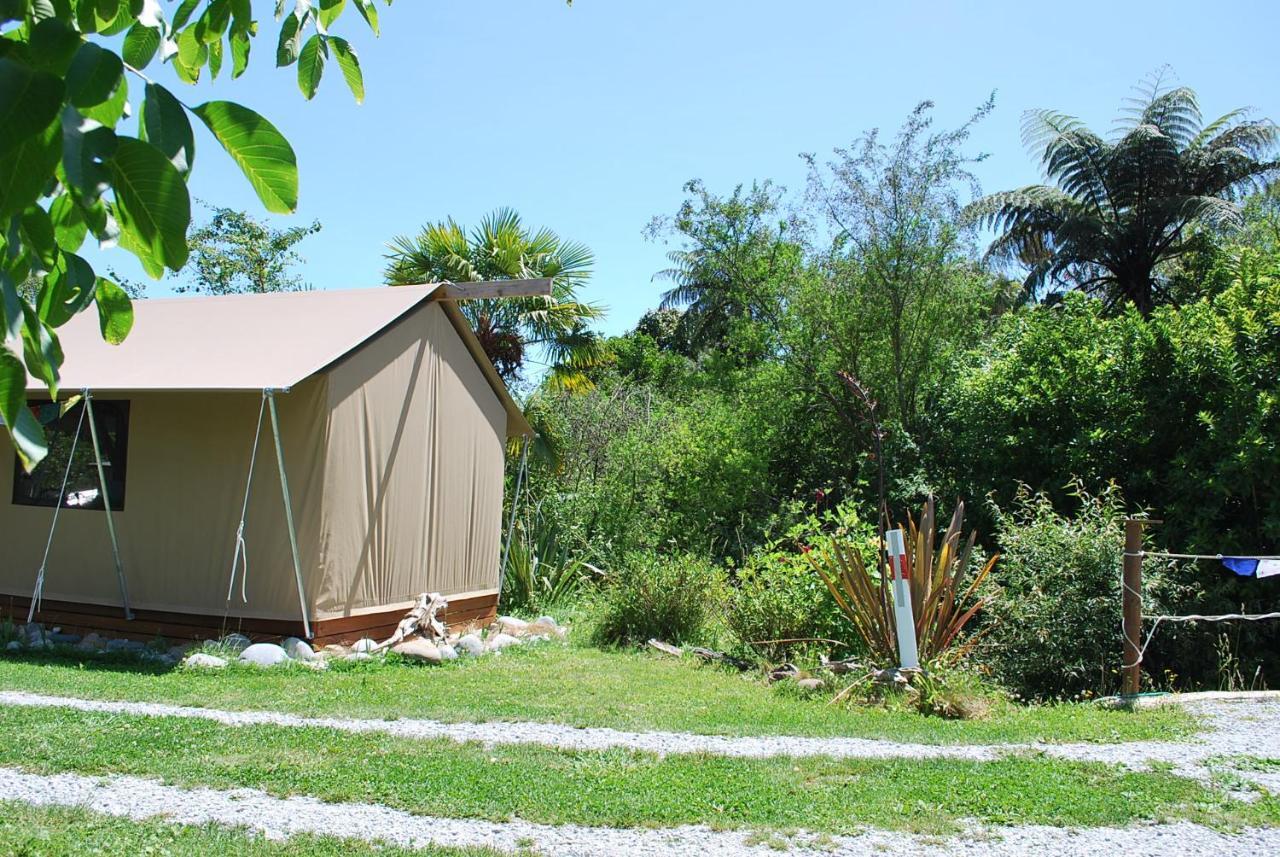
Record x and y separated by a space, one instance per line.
1204 556
1190 617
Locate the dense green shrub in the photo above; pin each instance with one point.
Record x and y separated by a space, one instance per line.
776 595
1054 621
648 596
1181 410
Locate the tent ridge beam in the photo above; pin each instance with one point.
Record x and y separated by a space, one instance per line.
492 289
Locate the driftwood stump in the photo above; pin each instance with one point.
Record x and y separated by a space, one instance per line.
420 621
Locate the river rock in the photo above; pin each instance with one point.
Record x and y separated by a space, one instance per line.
299 650
418 650
201 660
364 646
264 655
470 644
498 642
236 642
448 652
810 684
358 656
511 625
13 646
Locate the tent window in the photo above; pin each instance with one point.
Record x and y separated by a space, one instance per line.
41 487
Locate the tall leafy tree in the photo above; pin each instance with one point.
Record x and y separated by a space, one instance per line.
67 170
898 295
514 331
235 253
730 273
1119 209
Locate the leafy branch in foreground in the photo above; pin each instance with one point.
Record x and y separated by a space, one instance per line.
943 592
67 174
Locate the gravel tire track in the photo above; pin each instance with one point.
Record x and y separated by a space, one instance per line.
278 818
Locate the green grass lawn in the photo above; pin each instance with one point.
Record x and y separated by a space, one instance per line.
573 685
614 788
55 832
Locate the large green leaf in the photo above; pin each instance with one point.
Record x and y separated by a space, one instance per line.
52 45
215 59
86 147
370 13
40 350
163 123
66 290
329 12
93 76
69 227
290 43
115 311
192 54
240 43
152 203
28 168
141 44
350 65
311 64
262 152
24 429
39 239
183 15
29 100
113 109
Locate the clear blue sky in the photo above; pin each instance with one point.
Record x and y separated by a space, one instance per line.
589 119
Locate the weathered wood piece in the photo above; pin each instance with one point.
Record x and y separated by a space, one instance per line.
491 289
420 621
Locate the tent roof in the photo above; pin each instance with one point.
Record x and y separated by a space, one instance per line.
245 341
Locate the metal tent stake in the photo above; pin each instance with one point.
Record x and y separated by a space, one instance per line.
288 512
106 503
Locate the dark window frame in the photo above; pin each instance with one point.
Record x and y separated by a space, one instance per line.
41 488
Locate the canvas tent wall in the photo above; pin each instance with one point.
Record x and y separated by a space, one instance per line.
393 430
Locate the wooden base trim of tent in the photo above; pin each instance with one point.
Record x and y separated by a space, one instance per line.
148 624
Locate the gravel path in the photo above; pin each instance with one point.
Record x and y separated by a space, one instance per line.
278 818
1234 729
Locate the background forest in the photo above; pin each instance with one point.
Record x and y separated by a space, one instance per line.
1012 352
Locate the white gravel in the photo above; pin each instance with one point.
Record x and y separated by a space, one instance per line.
1233 729
279 818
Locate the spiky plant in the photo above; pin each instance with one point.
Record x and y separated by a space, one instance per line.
944 581
511 330
1119 208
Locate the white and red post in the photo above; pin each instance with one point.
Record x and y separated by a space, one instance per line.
905 620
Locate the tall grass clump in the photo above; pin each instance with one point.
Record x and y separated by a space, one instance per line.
541 572
647 596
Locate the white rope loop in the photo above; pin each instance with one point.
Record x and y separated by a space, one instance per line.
1190 617
241 556
38 594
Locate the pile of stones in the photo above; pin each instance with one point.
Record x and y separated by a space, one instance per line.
506 632
34 637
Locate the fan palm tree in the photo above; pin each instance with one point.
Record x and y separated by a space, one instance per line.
1119 209
511 330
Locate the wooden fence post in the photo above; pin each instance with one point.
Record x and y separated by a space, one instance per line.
1132 591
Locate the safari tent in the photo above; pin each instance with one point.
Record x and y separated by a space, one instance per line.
283 464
